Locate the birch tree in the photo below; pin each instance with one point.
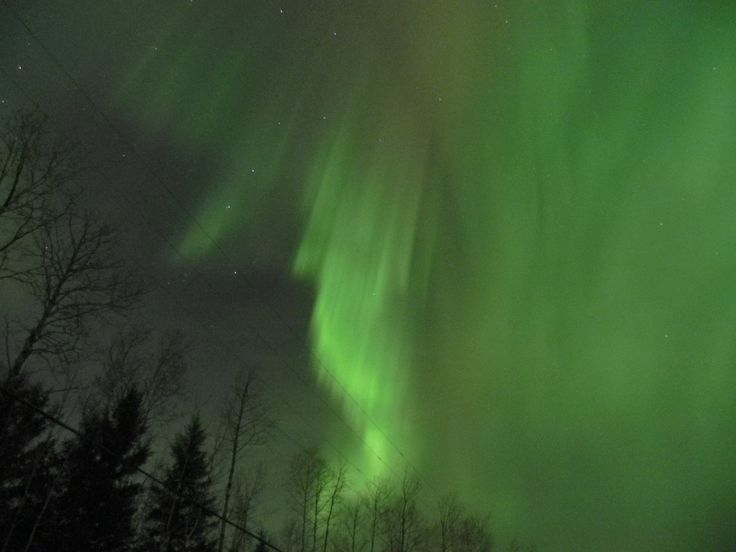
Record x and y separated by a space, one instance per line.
247 423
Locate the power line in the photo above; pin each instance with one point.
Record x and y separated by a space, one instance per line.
209 330
140 470
216 245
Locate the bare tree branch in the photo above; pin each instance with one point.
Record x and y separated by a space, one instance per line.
306 485
378 496
247 422
338 481
35 185
73 277
402 522
157 371
248 493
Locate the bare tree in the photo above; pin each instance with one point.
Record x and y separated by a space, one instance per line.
35 185
337 482
473 535
352 538
159 373
248 491
460 531
321 478
403 525
450 513
307 482
75 276
247 423
378 496
290 535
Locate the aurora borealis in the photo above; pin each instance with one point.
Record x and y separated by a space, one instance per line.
516 219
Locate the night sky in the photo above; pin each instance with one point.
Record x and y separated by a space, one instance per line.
492 240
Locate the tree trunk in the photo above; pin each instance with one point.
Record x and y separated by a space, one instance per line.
336 490
233 461
26 351
304 522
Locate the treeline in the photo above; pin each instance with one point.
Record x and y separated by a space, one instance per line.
114 479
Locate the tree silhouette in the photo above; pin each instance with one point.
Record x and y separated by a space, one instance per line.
35 185
352 532
74 276
308 479
28 462
157 369
96 503
63 258
180 519
337 479
247 494
403 525
378 496
247 423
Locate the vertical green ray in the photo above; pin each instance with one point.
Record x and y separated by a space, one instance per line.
364 194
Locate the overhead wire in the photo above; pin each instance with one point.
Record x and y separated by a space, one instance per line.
197 223
209 511
209 330
224 345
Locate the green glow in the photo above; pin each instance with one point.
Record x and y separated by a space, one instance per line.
363 199
518 221
226 209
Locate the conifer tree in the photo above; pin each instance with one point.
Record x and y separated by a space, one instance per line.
180 516
97 501
28 461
